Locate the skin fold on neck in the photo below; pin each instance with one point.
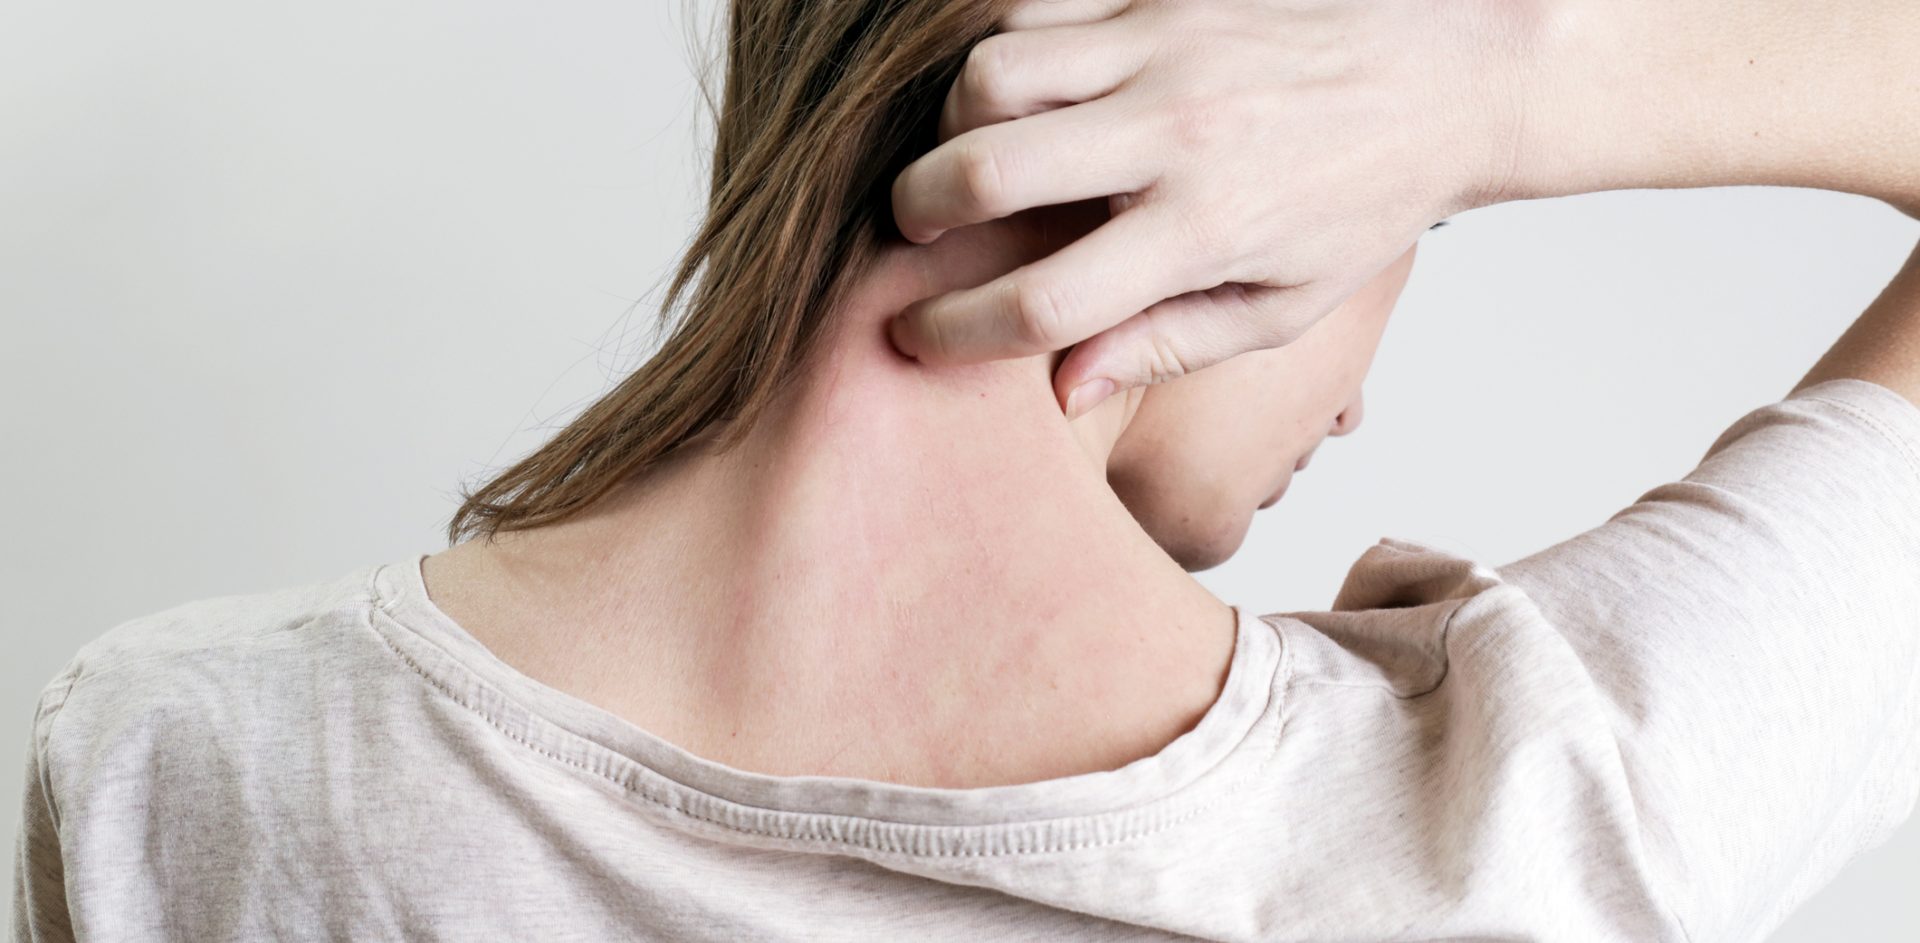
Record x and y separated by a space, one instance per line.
905 573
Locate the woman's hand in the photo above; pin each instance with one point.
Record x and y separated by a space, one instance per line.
1266 158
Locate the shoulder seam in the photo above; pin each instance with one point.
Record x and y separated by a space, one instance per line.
1907 450
150 657
46 713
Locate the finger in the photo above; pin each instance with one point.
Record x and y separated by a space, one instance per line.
1186 333
1083 151
1126 264
1012 75
1032 14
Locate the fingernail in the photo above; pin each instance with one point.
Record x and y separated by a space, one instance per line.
1088 395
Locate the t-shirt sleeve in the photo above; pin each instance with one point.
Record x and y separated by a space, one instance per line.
39 876
1755 631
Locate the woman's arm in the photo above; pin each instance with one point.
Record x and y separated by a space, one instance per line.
1651 93
1293 150
1638 93
1883 345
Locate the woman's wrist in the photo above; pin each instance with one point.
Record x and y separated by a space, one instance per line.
1616 94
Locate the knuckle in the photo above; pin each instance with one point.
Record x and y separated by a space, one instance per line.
1163 359
1037 314
1235 300
985 75
982 177
1197 123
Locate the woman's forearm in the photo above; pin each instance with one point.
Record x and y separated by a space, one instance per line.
1690 93
1292 151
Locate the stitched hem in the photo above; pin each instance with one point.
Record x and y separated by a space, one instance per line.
553 742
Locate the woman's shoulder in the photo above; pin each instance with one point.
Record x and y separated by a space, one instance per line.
194 663
209 629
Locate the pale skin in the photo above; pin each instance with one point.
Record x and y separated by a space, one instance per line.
1269 155
923 575
921 571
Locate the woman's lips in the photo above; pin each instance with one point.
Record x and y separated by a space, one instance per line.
1274 498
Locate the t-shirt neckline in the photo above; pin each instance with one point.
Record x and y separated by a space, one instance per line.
1139 794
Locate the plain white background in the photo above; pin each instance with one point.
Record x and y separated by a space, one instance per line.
275 279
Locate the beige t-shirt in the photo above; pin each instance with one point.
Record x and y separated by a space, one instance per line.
1675 726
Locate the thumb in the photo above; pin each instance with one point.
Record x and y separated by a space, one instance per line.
1183 334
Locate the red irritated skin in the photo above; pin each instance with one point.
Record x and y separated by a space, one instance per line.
1191 458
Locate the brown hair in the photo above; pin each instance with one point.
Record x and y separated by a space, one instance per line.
824 102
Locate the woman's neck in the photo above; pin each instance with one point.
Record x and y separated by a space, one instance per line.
934 550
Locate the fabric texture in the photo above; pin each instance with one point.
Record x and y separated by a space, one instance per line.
1675 726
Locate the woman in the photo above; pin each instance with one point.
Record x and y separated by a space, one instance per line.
813 628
